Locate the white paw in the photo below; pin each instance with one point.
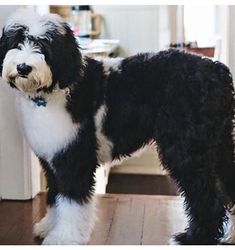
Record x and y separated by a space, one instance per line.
42 228
65 237
67 223
173 241
229 235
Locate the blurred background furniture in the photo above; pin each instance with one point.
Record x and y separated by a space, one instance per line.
66 11
213 52
205 51
98 47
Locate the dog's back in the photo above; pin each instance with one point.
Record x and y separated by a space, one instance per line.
166 90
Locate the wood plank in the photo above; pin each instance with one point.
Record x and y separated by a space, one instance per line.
17 222
105 208
9 216
127 224
17 218
36 210
162 219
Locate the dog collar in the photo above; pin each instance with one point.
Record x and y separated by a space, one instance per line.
40 101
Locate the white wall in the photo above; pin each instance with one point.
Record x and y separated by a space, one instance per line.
12 179
225 26
5 11
232 39
222 33
139 28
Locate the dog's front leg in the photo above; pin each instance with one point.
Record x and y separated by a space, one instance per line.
74 207
74 222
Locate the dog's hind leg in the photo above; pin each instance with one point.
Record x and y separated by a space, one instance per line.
225 169
191 162
226 182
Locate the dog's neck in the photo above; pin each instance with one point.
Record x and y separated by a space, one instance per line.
42 97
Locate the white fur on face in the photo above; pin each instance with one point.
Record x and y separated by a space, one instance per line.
47 129
39 77
73 222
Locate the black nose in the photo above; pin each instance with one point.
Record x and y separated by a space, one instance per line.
23 69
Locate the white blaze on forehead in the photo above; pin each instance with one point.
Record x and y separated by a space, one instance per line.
37 25
26 55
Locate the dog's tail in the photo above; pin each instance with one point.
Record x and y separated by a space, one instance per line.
224 74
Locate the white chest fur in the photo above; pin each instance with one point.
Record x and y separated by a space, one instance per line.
47 129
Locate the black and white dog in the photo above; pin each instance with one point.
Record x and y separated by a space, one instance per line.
78 113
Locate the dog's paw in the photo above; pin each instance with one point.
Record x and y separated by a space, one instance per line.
229 234
173 241
65 237
179 239
186 239
42 228
229 237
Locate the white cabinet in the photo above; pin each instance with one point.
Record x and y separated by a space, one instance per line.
19 168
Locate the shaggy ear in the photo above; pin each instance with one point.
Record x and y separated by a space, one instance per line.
9 40
3 49
66 59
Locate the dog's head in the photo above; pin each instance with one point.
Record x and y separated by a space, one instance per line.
37 52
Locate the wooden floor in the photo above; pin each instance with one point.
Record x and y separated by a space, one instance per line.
123 219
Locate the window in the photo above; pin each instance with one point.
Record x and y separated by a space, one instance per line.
199 24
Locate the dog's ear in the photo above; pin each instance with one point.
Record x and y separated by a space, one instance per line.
3 49
9 40
66 59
